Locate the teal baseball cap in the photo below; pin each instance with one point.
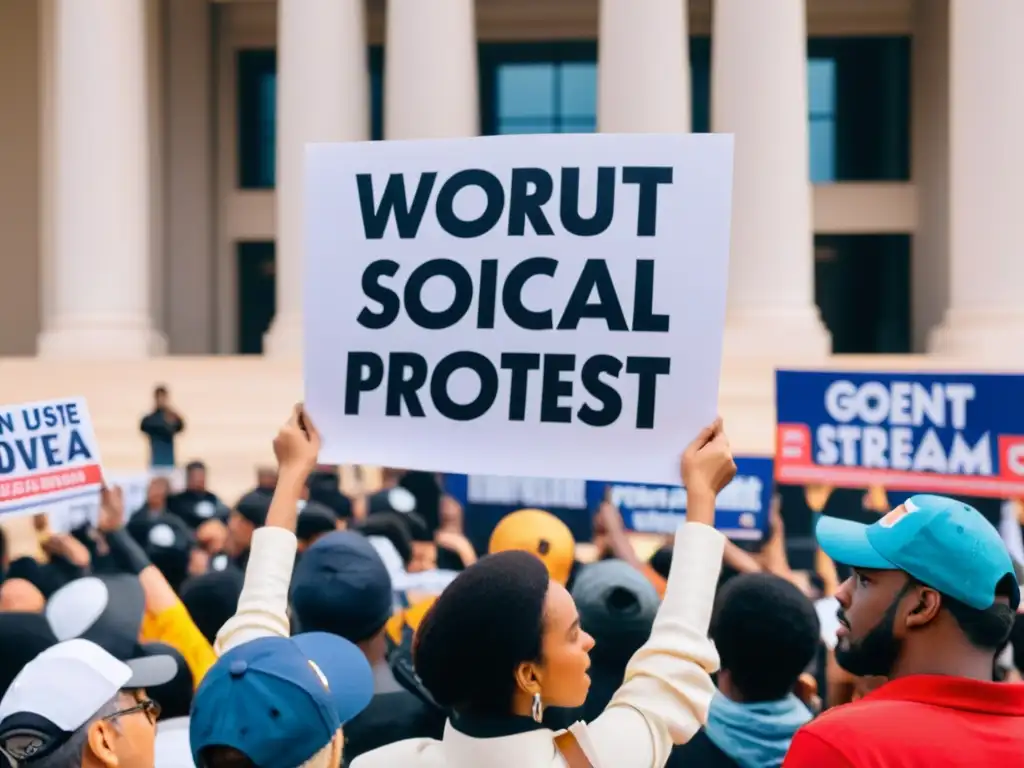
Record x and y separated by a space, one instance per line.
941 542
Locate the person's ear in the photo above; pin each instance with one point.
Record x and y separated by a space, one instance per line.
337 747
528 678
806 690
100 742
924 607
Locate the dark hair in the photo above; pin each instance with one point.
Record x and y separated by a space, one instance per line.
171 558
767 633
172 563
486 622
1017 641
194 465
159 390
425 486
661 561
987 629
315 520
212 599
393 527
23 636
216 756
174 696
661 564
418 527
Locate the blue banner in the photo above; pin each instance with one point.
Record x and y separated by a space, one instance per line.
485 499
742 508
742 511
959 434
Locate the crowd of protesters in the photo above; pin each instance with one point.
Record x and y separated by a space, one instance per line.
306 627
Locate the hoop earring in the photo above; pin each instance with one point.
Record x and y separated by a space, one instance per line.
537 710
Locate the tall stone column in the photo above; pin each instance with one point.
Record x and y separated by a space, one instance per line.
322 96
759 93
643 67
97 304
430 72
985 317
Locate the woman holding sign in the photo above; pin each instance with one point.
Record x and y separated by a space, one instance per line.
503 642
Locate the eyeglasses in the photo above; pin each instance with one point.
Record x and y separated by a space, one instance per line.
150 707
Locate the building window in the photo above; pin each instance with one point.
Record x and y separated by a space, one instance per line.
376 92
870 108
700 84
257 120
552 87
862 286
538 88
257 113
858 93
257 297
821 129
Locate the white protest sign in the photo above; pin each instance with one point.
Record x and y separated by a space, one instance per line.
546 306
72 513
48 453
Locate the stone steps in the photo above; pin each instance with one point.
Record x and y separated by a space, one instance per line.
234 405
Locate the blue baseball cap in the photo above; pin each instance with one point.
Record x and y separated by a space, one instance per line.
941 542
280 700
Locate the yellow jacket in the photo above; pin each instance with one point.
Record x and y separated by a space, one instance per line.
175 627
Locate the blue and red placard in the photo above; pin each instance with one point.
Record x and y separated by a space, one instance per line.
742 510
951 433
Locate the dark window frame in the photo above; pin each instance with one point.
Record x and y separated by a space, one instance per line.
863 286
252 132
872 105
872 140
869 70
822 117
492 56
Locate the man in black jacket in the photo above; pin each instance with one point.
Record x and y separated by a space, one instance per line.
767 634
197 503
161 426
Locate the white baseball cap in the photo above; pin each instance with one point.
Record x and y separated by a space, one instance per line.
62 689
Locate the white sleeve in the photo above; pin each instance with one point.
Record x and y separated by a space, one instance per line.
1009 530
667 690
263 604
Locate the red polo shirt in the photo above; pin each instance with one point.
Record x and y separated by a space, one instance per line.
922 721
